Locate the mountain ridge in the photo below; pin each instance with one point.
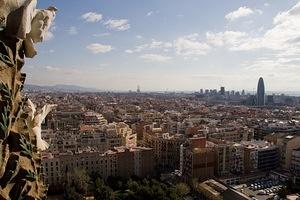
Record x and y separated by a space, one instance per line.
58 88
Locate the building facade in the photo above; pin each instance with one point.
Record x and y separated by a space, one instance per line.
120 162
197 160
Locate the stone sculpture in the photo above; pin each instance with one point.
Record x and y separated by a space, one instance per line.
39 27
35 123
16 16
20 123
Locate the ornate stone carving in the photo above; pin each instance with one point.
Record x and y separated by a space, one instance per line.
39 27
20 124
16 16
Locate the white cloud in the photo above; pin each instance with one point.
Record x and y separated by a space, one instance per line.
279 47
140 48
190 46
139 37
266 4
52 69
153 45
231 38
101 34
73 30
159 44
150 13
129 51
155 58
92 17
118 24
283 36
274 64
241 12
99 48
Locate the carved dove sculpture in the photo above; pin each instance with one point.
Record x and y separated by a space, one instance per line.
32 109
39 27
35 123
41 23
16 17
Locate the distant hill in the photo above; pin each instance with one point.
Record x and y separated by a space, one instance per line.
58 88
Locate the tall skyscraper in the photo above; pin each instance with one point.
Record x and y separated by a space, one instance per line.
261 92
138 90
222 90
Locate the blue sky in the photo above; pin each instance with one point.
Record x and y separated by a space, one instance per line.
170 44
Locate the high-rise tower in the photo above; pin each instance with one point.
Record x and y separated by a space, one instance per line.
138 89
222 90
261 92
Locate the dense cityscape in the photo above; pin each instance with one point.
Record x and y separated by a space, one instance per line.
149 100
219 144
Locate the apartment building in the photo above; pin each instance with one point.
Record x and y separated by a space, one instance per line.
245 157
196 159
93 118
261 156
122 162
166 149
286 145
295 166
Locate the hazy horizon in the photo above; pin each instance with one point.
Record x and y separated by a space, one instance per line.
87 89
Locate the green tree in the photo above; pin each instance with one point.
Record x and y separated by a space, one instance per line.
81 180
78 185
132 185
173 194
102 191
182 189
71 194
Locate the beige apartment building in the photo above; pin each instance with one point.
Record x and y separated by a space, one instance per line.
166 149
100 138
129 139
93 118
245 157
222 157
122 162
197 160
233 136
286 145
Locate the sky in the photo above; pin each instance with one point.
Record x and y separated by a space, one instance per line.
160 45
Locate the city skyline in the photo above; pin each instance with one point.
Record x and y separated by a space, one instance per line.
160 99
77 88
170 45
